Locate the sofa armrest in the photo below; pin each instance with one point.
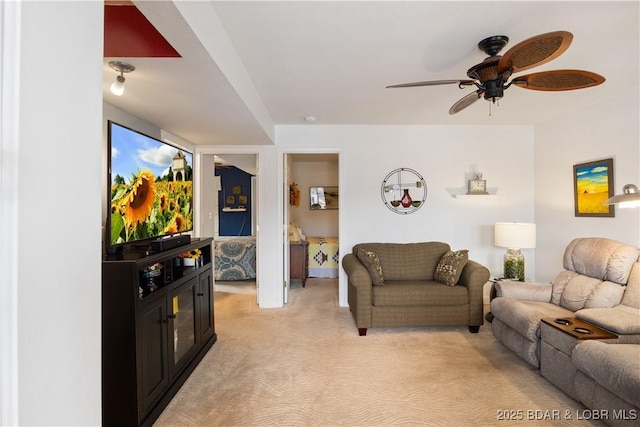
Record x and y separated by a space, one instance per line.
525 291
474 276
620 320
357 273
359 291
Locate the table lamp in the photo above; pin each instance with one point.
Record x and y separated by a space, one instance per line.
514 236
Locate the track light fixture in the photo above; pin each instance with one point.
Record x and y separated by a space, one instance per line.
630 197
117 87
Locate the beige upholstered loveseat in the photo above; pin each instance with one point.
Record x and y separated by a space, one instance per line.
414 284
592 287
600 284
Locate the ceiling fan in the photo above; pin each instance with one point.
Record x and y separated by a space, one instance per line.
491 76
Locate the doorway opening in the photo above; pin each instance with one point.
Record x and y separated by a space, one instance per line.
312 215
233 222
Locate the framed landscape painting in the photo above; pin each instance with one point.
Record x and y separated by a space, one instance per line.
592 186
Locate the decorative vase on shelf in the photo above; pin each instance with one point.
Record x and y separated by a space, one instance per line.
406 199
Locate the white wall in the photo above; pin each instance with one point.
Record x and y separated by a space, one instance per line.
207 203
58 189
596 132
443 156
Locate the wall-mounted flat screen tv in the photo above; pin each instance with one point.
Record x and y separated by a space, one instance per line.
150 188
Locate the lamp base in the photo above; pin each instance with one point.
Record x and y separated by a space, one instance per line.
514 265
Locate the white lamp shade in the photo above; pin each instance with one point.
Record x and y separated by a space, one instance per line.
117 88
515 235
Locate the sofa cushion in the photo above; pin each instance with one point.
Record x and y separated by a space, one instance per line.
616 367
606 294
407 261
559 284
524 316
601 258
575 291
419 292
621 320
371 261
450 267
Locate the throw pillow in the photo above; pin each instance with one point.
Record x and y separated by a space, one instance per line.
372 263
450 267
294 236
301 234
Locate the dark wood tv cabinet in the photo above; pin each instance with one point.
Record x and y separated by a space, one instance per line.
157 324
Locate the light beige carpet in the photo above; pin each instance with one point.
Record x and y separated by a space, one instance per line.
305 365
247 287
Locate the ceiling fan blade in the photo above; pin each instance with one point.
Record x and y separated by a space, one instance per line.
465 101
434 83
557 80
535 51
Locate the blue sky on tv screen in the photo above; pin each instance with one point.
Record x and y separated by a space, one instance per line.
132 151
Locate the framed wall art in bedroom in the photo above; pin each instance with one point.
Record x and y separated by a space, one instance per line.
323 197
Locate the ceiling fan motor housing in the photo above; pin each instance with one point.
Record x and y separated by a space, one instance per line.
491 82
486 70
493 89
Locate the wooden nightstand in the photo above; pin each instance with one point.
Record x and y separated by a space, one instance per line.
298 260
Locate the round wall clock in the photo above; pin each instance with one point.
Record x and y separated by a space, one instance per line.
403 191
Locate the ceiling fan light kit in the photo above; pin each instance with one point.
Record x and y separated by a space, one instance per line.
491 76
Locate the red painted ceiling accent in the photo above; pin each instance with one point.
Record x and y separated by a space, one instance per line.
127 33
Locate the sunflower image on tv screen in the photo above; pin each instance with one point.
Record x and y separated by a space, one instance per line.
150 201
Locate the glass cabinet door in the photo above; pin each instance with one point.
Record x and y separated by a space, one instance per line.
183 304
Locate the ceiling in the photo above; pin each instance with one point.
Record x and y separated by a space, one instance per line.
245 67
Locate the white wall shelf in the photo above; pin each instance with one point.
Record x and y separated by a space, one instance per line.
475 196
